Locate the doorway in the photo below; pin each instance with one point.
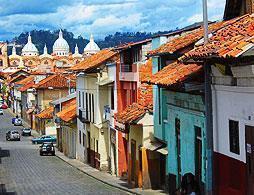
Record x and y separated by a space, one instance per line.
178 149
133 160
249 140
198 154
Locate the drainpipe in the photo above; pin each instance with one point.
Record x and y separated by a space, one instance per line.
209 130
209 186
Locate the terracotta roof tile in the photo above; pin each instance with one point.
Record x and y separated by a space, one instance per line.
230 41
94 60
15 79
185 39
55 81
46 113
25 80
174 73
132 113
26 86
145 71
68 114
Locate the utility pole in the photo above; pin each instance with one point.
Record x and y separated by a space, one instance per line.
209 186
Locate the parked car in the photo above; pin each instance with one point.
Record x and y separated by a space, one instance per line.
4 106
18 122
12 135
26 131
47 148
1 111
45 138
13 120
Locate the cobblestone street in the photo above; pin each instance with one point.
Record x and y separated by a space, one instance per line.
24 171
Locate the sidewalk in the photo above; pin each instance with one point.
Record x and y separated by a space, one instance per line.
105 177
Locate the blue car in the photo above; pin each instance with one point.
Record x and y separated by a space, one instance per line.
44 138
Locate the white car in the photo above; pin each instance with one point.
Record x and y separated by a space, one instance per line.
12 135
1 111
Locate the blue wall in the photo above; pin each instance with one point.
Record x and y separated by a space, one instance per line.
190 110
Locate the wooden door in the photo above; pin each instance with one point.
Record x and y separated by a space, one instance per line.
133 160
249 139
88 147
178 149
198 154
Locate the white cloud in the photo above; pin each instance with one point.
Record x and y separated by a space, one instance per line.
195 18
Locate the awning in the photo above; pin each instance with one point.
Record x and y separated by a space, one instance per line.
105 82
163 151
153 145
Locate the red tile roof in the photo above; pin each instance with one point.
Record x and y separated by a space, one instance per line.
186 39
15 79
145 71
25 80
94 60
230 41
68 114
26 86
46 113
174 73
55 81
132 113
131 44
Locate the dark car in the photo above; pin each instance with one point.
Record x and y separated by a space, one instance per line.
47 148
12 135
13 120
26 131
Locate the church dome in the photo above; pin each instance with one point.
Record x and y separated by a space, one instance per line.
61 47
91 47
29 49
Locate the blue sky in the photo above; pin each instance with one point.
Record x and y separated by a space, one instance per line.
101 17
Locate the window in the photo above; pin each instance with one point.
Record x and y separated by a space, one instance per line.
79 137
84 137
234 136
93 106
97 146
159 104
86 106
79 98
83 100
90 108
112 98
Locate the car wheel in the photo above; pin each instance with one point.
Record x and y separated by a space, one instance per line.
41 154
30 134
19 139
53 154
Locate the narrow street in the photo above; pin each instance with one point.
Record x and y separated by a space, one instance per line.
24 171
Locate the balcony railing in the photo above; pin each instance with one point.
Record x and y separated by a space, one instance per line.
83 116
128 72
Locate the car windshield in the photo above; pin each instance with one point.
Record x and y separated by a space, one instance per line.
26 129
14 132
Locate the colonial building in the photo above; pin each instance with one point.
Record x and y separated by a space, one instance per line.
94 94
229 61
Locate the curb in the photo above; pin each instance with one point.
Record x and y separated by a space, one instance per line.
103 181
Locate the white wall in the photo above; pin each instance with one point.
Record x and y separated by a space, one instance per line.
235 103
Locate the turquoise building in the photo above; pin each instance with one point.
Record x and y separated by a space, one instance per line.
179 114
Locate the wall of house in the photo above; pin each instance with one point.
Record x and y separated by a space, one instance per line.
50 128
189 109
135 134
44 97
81 151
231 103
